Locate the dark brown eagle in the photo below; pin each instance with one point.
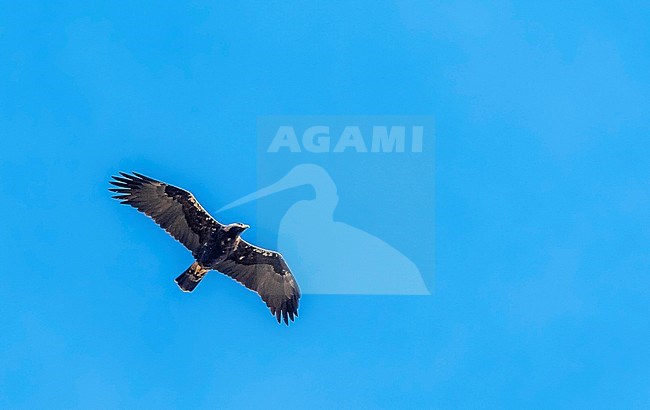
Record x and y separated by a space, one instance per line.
214 246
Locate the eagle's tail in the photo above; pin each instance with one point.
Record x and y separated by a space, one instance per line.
191 277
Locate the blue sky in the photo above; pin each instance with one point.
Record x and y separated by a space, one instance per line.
542 203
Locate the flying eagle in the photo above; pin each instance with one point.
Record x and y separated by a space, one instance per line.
214 246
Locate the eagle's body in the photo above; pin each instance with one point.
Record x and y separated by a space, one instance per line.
214 246
220 245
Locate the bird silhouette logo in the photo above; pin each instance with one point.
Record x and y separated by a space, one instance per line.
334 257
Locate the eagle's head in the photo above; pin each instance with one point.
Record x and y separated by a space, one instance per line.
236 229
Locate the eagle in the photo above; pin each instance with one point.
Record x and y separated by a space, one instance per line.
214 246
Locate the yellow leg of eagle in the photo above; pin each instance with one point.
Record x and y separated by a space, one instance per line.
191 277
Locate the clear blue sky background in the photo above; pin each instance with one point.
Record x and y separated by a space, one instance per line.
542 202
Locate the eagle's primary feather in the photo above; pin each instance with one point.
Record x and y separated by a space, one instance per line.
174 209
213 245
268 274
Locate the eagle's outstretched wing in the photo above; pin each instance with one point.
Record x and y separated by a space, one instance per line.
174 209
266 273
